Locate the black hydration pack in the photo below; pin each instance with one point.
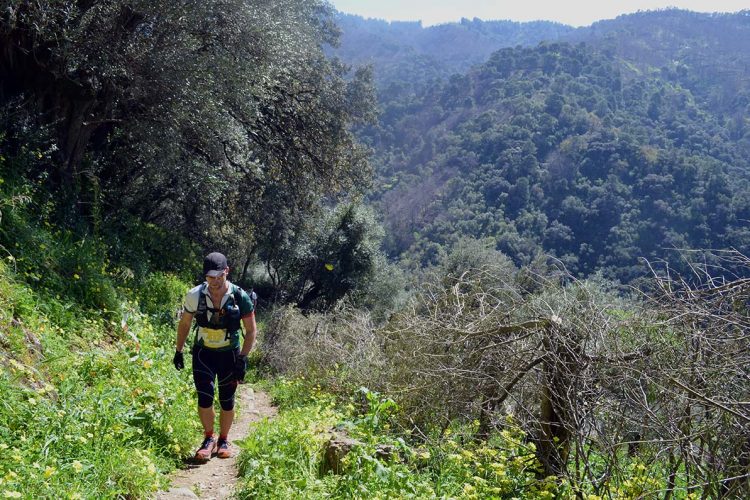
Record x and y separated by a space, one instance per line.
222 318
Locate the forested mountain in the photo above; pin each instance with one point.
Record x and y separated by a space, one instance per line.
408 53
621 144
704 53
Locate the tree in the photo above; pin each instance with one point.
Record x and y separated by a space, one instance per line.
173 106
344 259
327 258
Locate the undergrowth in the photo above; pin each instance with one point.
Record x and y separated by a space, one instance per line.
92 410
91 405
284 458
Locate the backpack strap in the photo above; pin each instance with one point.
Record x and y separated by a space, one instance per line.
202 307
237 294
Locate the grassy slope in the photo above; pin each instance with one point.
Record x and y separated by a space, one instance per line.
88 409
90 404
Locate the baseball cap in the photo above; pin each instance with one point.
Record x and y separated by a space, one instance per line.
214 264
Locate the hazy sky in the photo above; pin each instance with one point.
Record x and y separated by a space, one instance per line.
573 12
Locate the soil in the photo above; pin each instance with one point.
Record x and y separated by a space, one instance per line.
217 478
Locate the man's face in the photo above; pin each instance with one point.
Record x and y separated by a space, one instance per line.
216 283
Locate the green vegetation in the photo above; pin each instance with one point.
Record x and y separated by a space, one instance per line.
91 404
601 146
222 123
552 150
286 457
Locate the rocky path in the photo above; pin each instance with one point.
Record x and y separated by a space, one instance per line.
217 478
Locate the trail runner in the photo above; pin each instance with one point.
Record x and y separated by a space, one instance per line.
219 308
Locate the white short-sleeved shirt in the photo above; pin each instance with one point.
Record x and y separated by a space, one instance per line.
216 338
191 299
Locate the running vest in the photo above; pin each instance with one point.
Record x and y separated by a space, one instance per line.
224 324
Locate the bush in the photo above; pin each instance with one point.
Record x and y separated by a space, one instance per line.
339 350
80 416
161 296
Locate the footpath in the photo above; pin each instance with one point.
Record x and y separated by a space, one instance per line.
217 478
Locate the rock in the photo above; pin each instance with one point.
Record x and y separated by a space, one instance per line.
177 493
385 452
336 449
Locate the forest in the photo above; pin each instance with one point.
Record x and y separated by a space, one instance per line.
507 260
604 148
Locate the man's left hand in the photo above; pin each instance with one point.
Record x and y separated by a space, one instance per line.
240 367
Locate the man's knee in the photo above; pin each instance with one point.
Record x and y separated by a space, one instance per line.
205 399
226 395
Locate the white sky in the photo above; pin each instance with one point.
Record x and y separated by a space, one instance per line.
572 12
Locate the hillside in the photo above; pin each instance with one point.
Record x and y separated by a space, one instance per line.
406 53
601 153
702 52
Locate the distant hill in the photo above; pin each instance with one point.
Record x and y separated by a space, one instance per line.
676 44
408 51
706 53
630 138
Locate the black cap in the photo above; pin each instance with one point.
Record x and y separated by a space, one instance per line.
214 264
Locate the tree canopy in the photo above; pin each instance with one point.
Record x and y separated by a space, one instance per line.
203 117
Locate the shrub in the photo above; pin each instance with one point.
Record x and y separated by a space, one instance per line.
340 350
79 415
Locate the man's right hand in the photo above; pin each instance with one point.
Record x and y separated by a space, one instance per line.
179 360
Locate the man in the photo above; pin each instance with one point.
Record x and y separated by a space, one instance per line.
254 298
218 307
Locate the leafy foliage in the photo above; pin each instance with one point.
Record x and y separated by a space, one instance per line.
317 262
552 150
192 116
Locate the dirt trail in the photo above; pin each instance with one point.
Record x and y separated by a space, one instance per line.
218 478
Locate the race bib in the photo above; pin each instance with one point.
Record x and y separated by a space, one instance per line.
213 338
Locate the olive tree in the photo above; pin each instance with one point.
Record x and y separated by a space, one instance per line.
188 114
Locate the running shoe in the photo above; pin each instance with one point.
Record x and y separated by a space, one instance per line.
223 450
206 450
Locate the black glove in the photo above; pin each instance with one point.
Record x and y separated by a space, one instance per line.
179 360
240 367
